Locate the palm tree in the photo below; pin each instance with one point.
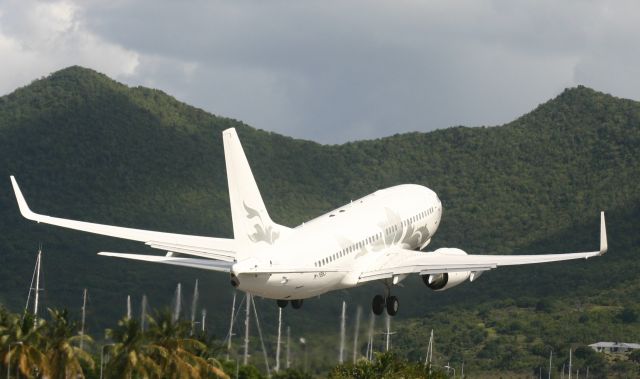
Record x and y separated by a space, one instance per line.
65 358
130 354
180 355
21 344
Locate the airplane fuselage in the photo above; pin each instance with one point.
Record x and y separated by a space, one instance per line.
344 241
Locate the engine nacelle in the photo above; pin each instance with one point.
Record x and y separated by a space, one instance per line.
446 280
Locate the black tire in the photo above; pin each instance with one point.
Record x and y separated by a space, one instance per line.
392 305
377 305
282 303
296 304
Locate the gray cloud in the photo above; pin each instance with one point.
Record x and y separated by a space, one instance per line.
334 71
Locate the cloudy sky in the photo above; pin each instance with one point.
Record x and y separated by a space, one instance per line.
335 71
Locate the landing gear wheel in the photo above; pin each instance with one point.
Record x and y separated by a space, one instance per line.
377 305
282 303
392 305
296 304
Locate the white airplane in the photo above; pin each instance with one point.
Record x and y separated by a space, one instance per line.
376 238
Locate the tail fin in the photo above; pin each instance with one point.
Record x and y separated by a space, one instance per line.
251 222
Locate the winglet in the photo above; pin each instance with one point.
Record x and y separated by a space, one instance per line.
22 203
603 235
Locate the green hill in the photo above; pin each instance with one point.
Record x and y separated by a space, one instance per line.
84 146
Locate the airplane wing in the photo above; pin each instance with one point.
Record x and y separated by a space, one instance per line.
223 249
212 265
398 261
205 264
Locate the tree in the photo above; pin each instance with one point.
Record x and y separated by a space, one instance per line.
635 356
64 357
628 315
179 355
130 355
20 343
384 365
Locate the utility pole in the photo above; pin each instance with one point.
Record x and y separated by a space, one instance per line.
356 333
84 314
204 318
128 307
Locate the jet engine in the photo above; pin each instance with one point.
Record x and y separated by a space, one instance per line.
444 281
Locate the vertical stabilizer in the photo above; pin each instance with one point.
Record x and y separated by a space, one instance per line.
251 222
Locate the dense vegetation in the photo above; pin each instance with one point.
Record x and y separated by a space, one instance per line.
36 348
83 146
164 347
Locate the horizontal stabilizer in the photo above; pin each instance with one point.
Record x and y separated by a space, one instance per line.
204 264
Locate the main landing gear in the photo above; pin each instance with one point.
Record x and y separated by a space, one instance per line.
296 304
379 304
387 301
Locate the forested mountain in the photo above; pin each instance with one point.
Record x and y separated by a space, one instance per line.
86 147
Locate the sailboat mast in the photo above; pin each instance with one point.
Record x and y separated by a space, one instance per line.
279 339
356 333
37 294
233 309
343 318
245 359
84 314
194 305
